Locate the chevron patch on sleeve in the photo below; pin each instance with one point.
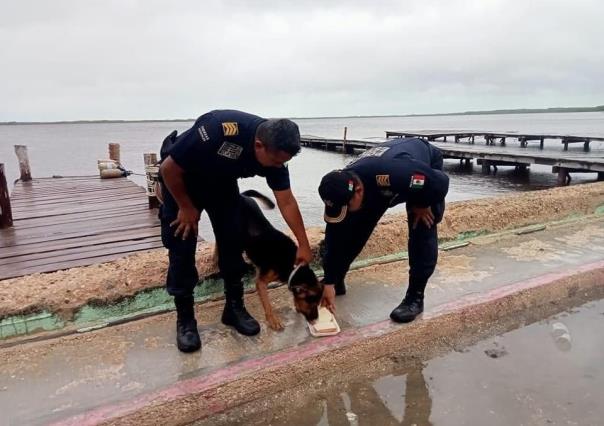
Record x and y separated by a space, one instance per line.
230 128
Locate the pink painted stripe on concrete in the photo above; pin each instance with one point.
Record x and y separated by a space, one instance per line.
347 337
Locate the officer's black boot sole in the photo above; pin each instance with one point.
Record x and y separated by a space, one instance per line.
244 323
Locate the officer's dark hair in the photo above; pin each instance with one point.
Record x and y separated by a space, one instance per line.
279 134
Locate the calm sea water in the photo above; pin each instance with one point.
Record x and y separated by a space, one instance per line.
72 149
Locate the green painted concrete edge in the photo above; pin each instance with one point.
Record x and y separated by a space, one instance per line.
93 316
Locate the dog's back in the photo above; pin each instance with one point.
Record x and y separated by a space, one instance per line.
267 247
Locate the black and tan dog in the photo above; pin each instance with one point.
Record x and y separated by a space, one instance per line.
273 254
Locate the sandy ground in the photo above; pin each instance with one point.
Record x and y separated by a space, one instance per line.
63 292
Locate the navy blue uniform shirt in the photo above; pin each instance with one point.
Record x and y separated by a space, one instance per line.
396 172
221 144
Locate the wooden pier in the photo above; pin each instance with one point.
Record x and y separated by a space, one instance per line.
488 156
492 138
61 223
55 223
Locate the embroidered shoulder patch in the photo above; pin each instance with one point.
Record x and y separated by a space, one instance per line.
377 151
230 128
382 180
417 181
230 150
203 133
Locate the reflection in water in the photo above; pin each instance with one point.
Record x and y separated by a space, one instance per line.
401 399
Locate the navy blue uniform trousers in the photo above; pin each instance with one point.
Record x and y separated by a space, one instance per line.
221 200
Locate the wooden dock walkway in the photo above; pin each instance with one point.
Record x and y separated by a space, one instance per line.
491 138
562 162
64 222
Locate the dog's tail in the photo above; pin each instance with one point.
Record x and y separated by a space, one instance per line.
263 199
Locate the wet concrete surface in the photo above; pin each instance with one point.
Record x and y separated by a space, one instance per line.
535 375
54 379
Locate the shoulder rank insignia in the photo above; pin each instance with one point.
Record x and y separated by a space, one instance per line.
230 150
382 180
417 181
230 128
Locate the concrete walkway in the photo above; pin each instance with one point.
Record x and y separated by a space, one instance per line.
95 376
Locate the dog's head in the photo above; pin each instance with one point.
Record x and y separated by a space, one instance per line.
307 291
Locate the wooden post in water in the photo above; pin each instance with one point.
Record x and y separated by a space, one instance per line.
347 149
152 173
6 213
114 152
563 176
21 151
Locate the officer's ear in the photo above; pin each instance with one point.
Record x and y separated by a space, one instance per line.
258 144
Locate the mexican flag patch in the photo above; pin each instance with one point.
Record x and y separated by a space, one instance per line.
417 181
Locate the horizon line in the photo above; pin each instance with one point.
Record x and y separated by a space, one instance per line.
598 108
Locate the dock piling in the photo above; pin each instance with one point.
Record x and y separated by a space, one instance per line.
114 152
6 215
563 176
152 173
21 152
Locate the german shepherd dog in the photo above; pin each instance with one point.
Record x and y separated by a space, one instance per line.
273 254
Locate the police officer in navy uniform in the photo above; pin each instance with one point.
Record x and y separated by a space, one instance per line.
199 169
398 171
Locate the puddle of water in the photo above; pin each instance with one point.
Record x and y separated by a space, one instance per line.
550 372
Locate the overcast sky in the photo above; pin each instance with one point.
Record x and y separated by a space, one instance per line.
150 59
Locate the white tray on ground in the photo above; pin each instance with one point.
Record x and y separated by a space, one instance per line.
325 325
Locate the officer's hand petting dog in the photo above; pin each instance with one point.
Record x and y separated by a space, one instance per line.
303 255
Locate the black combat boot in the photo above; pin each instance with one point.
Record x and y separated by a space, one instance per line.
411 306
237 316
187 336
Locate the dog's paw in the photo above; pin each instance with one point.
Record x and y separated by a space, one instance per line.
274 322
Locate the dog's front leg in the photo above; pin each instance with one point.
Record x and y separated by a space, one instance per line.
272 318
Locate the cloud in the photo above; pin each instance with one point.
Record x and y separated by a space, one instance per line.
151 59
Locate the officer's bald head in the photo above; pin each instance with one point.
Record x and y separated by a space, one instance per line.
279 134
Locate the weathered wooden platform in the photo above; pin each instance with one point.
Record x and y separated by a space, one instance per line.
491 138
64 222
562 162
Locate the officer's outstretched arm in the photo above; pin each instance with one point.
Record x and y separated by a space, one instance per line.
291 213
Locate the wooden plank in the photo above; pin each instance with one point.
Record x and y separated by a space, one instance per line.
81 217
83 226
16 272
79 234
66 195
41 212
51 256
24 205
8 252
